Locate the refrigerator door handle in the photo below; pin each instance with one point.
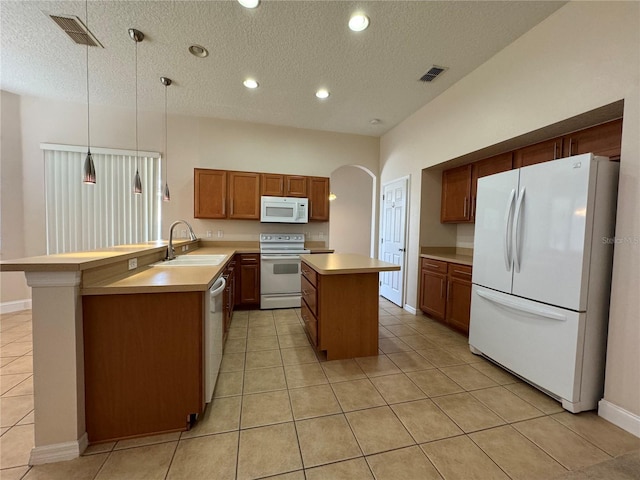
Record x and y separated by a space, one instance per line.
507 230
516 229
534 310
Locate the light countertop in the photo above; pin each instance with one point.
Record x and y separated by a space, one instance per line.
462 256
343 263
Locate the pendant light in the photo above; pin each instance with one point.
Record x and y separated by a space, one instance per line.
166 195
89 170
137 36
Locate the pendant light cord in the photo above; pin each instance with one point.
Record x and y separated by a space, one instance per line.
166 161
136 105
86 13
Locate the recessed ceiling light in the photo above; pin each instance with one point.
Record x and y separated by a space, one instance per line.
250 83
198 51
375 121
322 93
358 22
249 3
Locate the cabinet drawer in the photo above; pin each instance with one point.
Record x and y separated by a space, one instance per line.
310 324
249 258
434 265
310 274
460 271
309 295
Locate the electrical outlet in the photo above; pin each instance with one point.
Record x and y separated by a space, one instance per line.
209 234
133 263
220 234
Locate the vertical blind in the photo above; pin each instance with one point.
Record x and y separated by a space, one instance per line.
85 217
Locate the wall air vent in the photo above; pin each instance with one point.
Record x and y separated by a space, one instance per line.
76 30
433 72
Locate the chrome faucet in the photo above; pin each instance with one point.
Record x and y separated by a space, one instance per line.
171 253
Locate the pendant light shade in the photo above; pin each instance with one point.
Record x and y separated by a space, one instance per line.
89 170
137 36
166 195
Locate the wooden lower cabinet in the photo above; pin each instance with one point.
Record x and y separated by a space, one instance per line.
247 280
340 313
445 292
229 296
143 363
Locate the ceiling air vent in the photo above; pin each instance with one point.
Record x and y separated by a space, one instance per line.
433 72
74 27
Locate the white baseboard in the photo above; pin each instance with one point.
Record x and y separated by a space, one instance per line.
410 309
58 452
619 416
15 306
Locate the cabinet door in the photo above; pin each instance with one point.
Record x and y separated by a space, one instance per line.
210 193
248 280
484 168
538 153
244 195
456 195
459 297
433 288
318 189
272 184
605 139
295 186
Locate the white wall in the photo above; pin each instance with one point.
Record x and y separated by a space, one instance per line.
584 56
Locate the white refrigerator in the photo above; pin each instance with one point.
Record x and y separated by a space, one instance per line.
543 252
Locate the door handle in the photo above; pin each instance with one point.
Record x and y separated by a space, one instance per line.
401 249
507 231
516 228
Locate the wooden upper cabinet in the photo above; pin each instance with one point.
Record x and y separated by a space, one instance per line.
483 168
318 190
272 184
605 139
244 195
538 153
295 186
210 193
456 195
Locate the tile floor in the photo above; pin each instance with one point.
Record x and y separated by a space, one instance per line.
425 408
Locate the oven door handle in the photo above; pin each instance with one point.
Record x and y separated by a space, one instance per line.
279 257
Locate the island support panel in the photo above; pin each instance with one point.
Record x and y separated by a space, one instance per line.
143 363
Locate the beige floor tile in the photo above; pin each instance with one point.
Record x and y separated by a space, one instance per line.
624 467
297 475
326 440
228 384
23 364
29 418
401 330
7 382
267 331
440 358
305 375
495 373
295 340
239 322
10 336
290 329
4 361
232 362
315 401
458 458
77 469
384 333
342 370
378 430
565 446
16 349
23 388
536 398
410 361
16 473
407 463
265 409
239 332
15 446
506 404
388 320
397 388
468 377
14 409
221 415
285 314
393 345
467 412
4 430
425 421
235 345
150 462
298 355
260 317
263 359
377 365
211 457
266 451
608 437
417 341
264 380
150 440
516 455
255 344
99 448
434 383
356 469
357 394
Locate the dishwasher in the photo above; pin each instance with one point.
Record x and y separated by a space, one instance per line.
213 336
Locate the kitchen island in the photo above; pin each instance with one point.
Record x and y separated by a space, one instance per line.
340 303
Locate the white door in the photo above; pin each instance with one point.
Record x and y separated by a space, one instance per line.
495 206
392 246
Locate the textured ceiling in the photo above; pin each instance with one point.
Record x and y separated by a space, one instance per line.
290 48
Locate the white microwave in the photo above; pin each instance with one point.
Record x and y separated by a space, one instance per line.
284 210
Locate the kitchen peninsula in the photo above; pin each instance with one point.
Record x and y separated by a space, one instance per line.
340 303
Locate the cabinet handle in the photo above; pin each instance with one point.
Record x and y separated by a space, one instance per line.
460 271
464 214
448 291
555 150
441 288
570 146
473 207
432 265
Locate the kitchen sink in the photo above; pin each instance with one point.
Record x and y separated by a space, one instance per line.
192 261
